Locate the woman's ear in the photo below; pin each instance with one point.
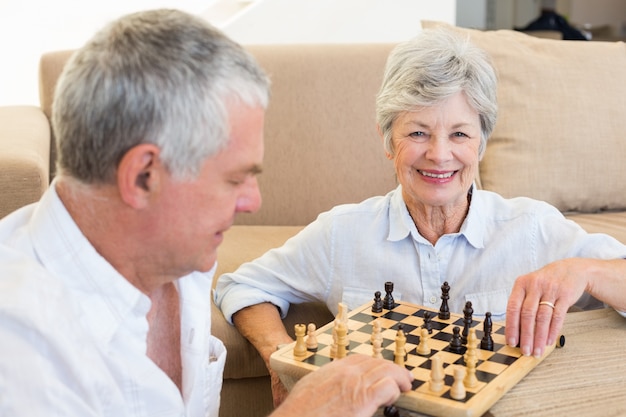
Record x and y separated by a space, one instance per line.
382 139
138 175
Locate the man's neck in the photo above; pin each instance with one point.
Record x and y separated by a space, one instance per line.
164 332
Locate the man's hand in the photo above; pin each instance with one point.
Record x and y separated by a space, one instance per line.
356 385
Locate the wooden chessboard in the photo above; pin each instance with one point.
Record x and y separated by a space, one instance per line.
497 371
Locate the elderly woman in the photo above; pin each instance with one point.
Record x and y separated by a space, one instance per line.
435 111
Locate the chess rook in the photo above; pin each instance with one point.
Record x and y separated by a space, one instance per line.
300 348
388 301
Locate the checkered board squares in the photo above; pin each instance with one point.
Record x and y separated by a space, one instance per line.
497 371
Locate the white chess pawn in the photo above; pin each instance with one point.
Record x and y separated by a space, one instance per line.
457 390
311 339
423 348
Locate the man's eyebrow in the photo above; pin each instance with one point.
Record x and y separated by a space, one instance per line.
255 169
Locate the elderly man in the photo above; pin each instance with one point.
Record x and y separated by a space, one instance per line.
105 286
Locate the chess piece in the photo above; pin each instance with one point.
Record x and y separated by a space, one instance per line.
487 341
340 318
377 339
377 349
423 349
400 352
391 411
311 338
455 343
300 349
377 306
468 312
444 310
342 313
457 390
436 382
388 301
471 359
333 345
428 322
342 340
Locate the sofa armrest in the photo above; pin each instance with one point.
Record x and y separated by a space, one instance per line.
242 359
24 156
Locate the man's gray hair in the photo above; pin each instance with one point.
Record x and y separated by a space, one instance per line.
163 77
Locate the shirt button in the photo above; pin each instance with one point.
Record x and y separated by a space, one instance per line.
433 299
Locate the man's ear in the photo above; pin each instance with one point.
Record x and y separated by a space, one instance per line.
138 174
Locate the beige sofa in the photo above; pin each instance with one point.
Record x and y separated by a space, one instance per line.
559 137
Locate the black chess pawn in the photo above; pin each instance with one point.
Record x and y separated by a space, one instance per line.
468 312
428 322
391 411
377 306
455 343
444 310
487 341
388 302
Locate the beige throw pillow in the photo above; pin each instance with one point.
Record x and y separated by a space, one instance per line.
561 130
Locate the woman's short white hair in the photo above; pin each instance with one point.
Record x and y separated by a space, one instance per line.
430 68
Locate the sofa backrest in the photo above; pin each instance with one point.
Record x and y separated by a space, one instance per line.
558 138
50 67
321 143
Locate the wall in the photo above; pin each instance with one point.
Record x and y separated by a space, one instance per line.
600 12
496 14
335 21
30 27
507 14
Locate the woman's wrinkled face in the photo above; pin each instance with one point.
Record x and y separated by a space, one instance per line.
436 152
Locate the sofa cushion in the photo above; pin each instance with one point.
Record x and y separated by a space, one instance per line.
612 223
557 138
246 243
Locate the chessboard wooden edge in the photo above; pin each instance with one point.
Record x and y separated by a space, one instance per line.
478 405
292 370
